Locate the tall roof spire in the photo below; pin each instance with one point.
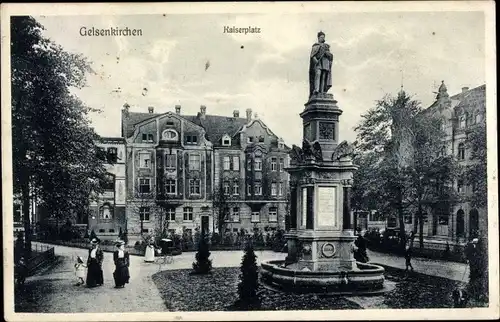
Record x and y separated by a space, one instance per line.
442 91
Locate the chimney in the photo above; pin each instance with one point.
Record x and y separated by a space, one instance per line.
464 89
236 113
177 109
151 109
203 111
126 109
249 114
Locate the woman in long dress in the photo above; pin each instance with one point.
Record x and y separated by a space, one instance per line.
149 256
122 262
94 265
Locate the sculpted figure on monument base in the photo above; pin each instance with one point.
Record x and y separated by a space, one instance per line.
320 67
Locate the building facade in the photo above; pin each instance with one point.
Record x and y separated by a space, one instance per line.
460 113
174 165
107 212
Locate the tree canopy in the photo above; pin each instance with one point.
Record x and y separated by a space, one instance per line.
54 147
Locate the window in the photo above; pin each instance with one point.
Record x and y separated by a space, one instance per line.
236 163
258 164
460 186
249 139
171 214
249 189
170 186
147 137
109 184
226 187
226 163
462 122
249 164
236 187
408 219
170 161
111 230
235 214
101 154
105 212
194 162
280 189
112 155
169 135
258 189
274 165
281 146
461 151
282 165
261 139
17 213
144 185
191 139
478 118
144 213
145 230
273 214
102 230
188 213
226 140
194 186
443 220
255 216
144 160
274 189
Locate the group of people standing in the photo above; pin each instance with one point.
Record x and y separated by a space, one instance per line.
95 276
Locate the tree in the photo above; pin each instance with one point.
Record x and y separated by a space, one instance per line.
402 168
476 172
249 278
202 265
221 205
54 151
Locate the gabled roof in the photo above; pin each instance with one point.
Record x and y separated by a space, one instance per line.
472 97
216 126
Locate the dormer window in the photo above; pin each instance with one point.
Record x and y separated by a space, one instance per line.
261 139
226 140
191 139
147 137
169 135
249 139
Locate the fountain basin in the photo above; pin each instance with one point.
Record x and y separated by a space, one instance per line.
366 279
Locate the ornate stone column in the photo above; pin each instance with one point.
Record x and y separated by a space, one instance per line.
346 214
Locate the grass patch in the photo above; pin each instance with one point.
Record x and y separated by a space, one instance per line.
218 291
182 291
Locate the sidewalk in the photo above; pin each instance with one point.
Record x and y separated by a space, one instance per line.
55 291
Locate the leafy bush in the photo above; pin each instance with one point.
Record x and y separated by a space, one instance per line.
249 279
203 264
215 239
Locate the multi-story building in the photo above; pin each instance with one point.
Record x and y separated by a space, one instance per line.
175 164
460 113
107 213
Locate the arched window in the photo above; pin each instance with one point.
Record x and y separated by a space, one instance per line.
473 223
461 151
478 117
463 121
109 184
106 212
169 135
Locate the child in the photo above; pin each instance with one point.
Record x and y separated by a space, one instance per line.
80 270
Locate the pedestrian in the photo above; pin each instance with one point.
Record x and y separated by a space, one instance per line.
80 270
21 271
149 256
122 262
94 265
409 251
360 254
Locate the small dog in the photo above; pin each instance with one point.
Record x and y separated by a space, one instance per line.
460 298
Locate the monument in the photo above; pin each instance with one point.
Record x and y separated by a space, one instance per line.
321 237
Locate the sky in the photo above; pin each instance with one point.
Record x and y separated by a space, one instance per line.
374 53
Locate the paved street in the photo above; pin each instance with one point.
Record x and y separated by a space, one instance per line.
141 295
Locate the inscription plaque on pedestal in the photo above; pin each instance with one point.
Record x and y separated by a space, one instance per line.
326 206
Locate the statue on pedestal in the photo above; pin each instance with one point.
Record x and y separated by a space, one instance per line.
320 67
